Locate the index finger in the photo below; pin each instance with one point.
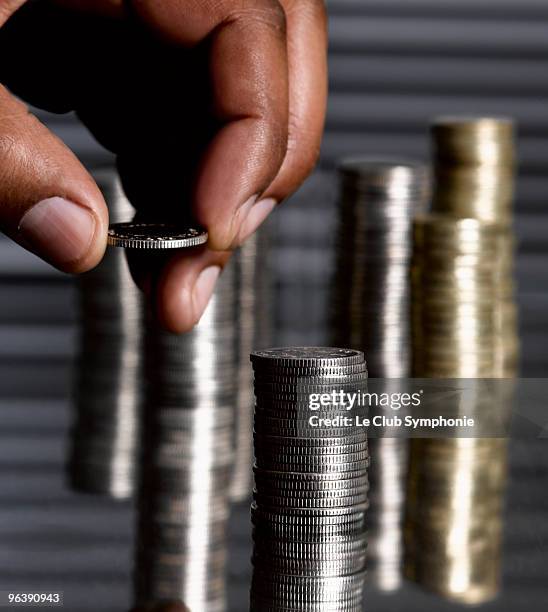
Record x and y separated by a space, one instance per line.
249 78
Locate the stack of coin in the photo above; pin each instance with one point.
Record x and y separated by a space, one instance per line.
108 389
254 332
311 482
474 167
454 521
187 457
370 292
388 472
370 308
474 160
462 328
454 297
454 524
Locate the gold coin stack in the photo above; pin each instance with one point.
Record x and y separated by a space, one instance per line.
474 161
474 167
464 326
453 284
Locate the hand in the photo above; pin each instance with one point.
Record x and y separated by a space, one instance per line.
214 108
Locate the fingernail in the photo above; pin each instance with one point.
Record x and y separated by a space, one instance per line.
238 220
58 230
203 288
257 214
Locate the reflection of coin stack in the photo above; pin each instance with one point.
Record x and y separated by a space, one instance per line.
463 327
379 198
454 520
453 524
187 457
474 168
311 484
254 332
108 378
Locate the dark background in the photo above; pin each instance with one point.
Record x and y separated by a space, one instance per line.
394 64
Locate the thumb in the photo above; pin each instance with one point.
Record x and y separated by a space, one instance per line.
48 202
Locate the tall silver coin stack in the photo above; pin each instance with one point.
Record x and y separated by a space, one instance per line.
371 295
254 333
371 292
311 483
108 389
187 457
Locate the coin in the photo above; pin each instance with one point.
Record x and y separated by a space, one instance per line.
159 236
303 443
332 487
304 356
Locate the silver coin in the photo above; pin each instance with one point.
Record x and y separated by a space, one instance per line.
351 383
322 533
306 533
302 443
327 455
274 525
321 460
293 490
311 584
297 379
312 514
159 236
295 429
307 477
276 370
319 567
303 356
285 602
309 500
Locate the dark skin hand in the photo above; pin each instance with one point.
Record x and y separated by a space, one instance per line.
214 109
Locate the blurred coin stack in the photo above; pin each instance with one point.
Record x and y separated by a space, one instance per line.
370 308
371 294
454 522
254 333
463 327
187 457
108 389
389 462
311 483
454 297
474 162
453 519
